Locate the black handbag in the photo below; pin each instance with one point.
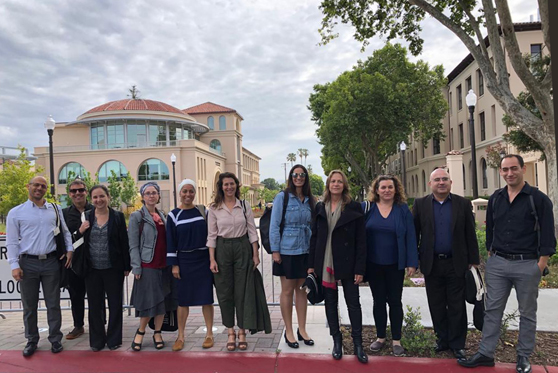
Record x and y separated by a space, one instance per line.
314 289
475 294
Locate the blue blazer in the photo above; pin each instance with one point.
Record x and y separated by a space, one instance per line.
406 235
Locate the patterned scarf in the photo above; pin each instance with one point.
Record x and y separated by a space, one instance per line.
328 274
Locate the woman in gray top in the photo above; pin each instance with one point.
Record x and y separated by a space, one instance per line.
148 254
108 262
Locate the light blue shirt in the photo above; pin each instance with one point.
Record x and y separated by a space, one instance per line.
30 230
297 228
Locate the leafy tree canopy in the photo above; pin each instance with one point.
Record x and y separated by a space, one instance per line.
271 184
317 185
365 113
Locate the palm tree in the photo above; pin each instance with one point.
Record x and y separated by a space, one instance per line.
310 169
300 154
305 154
291 157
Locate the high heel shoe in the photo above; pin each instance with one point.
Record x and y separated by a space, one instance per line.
158 345
307 342
137 346
291 344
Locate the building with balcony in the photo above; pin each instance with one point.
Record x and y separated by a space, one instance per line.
489 128
139 136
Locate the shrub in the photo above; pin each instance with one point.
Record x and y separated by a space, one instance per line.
416 339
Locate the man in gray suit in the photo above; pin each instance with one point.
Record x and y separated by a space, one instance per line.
31 229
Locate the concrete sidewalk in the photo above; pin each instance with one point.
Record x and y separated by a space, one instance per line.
416 298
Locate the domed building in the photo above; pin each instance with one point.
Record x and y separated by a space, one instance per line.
139 136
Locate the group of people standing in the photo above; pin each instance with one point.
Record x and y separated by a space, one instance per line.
343 243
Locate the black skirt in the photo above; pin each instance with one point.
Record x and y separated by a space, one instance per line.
292 266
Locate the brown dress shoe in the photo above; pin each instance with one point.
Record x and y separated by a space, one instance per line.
75 333
178 345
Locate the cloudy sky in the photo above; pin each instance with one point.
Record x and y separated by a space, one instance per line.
259 57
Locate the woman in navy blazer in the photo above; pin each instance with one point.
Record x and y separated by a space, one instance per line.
392 250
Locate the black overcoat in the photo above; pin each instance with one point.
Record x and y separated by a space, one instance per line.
348 242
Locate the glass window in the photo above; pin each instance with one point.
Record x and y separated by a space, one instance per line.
137 135
64 200
115 136
153 169
459 98
157 135
73 170
222 123
469 84
461 139
482 126
423 181
484 174
97 136
215 144
450 102
536 50
175 133
480 80
436 146
211 123
106 168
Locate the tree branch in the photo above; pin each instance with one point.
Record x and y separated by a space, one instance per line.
495 44
514 53
476 28
545 22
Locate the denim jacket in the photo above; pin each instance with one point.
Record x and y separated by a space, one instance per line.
298 226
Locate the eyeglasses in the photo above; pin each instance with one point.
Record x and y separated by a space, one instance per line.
438 179
302 175
38 185
80 190
150 194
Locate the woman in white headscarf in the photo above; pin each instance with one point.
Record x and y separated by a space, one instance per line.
188 254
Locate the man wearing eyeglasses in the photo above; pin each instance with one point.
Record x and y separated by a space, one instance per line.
448 247
31 229
520 239
73 218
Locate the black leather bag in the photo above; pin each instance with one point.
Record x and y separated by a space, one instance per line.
314 289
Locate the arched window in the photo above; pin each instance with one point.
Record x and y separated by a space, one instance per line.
106 168
423 181
70 171
464 182
211 123
484 174
222 123
153 169
215 144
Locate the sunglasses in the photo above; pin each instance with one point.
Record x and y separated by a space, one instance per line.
302 175
74 191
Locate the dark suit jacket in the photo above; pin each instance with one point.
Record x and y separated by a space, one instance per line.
348 242
465 249
119 249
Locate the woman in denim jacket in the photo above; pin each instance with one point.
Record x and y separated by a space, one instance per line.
290 249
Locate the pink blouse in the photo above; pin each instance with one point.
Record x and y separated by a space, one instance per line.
230 224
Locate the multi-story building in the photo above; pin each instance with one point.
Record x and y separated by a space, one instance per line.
420 160
140 136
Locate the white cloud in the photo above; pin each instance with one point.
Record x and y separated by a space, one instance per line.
259 57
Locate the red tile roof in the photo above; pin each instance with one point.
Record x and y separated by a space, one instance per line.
138 104
208 107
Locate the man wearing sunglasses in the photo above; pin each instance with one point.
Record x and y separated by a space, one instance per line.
72 216
31 242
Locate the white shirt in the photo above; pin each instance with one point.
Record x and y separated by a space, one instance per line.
30 230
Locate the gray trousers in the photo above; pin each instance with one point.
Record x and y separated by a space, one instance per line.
501 274
46 273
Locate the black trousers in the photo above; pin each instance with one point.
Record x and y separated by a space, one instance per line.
350 291
77 296
101 282
446 300
386 284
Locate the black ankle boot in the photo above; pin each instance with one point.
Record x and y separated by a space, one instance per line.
359 350
337 351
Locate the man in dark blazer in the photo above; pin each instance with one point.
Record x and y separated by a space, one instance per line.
448 247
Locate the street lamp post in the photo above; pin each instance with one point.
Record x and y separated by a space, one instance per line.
403 147
471 101
49 125
173 161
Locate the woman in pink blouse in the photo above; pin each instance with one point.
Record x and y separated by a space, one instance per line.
233 251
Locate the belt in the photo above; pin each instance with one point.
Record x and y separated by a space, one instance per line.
516 256
442 256
40 257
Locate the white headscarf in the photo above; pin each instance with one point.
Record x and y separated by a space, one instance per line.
186 182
